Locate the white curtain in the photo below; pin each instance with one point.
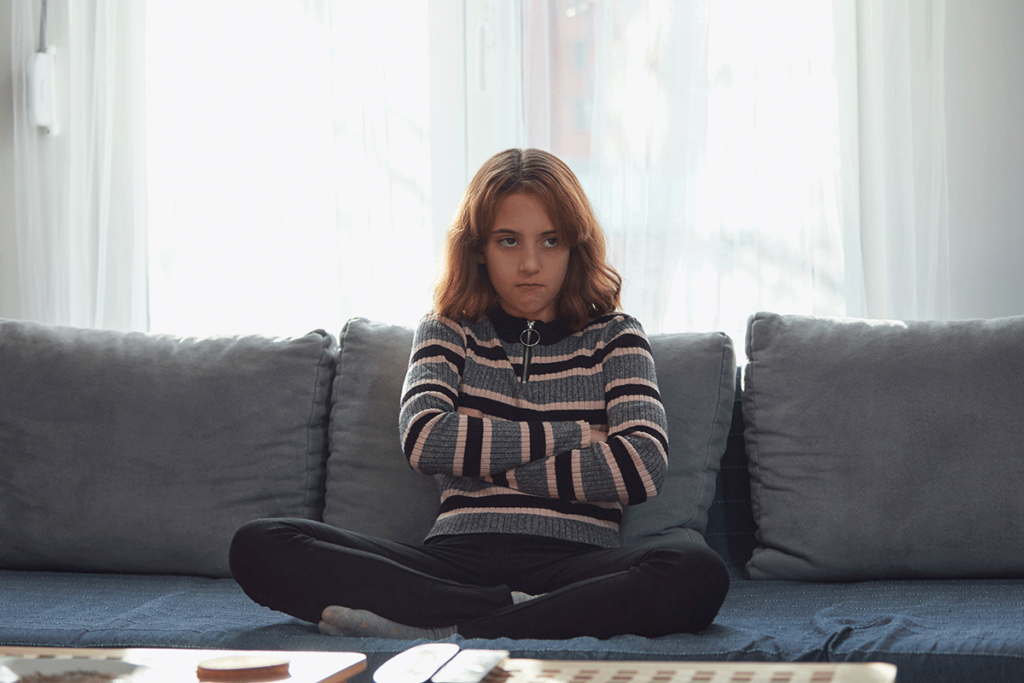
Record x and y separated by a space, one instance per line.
651 137
785 155
904 192
714 156
289 164
302 165
79 224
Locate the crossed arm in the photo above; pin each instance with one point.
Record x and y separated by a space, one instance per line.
596 435
623 462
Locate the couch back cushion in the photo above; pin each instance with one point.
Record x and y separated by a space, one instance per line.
371 489
128 452
696 375
882 449
370 486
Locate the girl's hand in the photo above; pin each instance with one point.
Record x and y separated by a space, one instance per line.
597 435
469 412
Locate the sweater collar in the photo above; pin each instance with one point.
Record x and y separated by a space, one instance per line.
509 327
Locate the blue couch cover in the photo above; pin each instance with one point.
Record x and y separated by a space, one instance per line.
934 631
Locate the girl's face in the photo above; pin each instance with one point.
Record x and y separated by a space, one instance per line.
525 260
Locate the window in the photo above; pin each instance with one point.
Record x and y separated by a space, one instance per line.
304 162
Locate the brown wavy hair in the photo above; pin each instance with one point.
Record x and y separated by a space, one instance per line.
463 289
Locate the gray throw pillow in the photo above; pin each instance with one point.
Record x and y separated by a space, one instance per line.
144 453
372 490
882 449
697 381
370 486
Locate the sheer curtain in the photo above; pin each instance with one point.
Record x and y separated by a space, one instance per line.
904 191
289 164
746 155
79 223
298 163
712 154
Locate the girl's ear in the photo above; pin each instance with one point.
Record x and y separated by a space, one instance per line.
480 258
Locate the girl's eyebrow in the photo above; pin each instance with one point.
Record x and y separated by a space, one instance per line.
515 233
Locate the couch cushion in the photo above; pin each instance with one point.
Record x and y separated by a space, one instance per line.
370 486
696 378
371 489
143 453
885 449
933 631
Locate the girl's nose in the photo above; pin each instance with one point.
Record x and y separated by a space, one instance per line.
530 262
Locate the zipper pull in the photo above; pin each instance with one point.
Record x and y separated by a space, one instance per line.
529 338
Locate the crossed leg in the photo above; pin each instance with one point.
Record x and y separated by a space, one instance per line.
358 585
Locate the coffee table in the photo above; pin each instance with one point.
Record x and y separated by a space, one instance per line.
537 671
336 667
152 665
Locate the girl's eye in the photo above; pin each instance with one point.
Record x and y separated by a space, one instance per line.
507 241
551 242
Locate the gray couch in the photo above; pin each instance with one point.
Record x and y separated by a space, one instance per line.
864 487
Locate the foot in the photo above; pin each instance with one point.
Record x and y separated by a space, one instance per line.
356 623
519 597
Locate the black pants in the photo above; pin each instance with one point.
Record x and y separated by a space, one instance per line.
300 567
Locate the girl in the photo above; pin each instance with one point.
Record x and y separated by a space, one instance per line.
534 404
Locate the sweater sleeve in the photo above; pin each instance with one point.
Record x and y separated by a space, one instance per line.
630 467
439 440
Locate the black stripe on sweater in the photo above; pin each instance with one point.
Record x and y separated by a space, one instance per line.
540 367
538 443
565 507
583 361
474 447
432 387
630 476
493 353
563 478
626 340
435 352
506 411
650 431
631 390
415 430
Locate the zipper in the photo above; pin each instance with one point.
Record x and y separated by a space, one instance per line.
529 338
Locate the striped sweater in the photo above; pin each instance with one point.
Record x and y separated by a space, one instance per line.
529 466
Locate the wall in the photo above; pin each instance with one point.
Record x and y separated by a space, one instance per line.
985 156
985 159
9 303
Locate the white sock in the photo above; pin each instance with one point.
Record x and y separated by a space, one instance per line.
518 597
357 623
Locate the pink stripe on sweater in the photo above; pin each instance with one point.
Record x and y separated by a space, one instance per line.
539 512
620 485
645 475
524 440
633 398
460 445
577 477
485 448
550 475
631 381
417 448
630 351
460 351
530 405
